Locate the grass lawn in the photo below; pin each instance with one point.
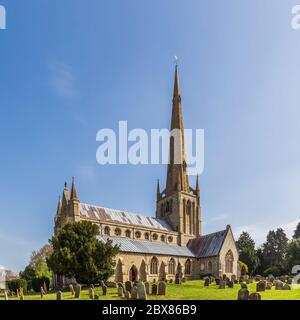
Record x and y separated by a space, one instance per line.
191 290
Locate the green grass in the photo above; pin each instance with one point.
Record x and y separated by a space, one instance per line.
191 290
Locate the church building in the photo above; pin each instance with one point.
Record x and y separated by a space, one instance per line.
171 242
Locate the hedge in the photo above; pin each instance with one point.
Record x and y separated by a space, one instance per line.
14 285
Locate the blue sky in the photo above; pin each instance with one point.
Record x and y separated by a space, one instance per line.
69 68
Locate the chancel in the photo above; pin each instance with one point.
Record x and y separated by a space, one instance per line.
169 246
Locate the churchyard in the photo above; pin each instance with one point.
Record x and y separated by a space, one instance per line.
189 290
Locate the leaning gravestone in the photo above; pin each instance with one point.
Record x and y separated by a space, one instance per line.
255 296
261 285
147 287
222 284
58 295
127 295
230 284
154 288
120 292
206 282
141 291
71 288
243 294
78 291
104 290
162 287
134 293
128 286
91 293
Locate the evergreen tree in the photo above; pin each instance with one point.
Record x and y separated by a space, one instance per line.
297 232
247 252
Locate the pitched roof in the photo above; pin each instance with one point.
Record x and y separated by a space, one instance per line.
208 245
148 247
118 216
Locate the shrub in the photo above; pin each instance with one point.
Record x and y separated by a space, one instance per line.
14 285
275 271
37 283
243 268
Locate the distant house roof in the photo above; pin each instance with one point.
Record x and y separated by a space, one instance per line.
208 245
148 247
118 216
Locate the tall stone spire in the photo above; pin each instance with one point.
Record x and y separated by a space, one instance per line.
65 196
74 195
177 175
59 206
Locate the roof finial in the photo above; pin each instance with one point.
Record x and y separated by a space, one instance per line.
176 60
66 184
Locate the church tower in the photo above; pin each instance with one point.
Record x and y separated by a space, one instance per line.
179 204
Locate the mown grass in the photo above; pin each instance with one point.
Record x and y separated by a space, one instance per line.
191 290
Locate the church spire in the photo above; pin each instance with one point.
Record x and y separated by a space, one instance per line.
59 206
176 175
66 195
74 195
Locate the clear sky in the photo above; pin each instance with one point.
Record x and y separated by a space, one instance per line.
69 68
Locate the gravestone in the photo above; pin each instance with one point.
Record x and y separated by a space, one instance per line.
58 295
236 281
217 280
154 288
271 278
141 291
243 294
71 288
261 285
134 292
224 277
147 287
120 292
22 297
269 285
78 291
230 284
171 281
162 287
5 295
104 290
233 278
255 296
244 286
91 293
206 282
92 286
286 287
222 284
42 292
102 283
127 295
121 285
278 284
289 281
128 286
96 297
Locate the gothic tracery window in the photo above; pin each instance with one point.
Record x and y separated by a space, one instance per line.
154 266
187 269
229 262
107 231
171 266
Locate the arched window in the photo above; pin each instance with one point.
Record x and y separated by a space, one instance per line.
107 231
154 266
147 236
137 234
187 267
171 266
229 262
170 239
128 233
117 231
155 236
162 238
188 207
209 267
167 207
